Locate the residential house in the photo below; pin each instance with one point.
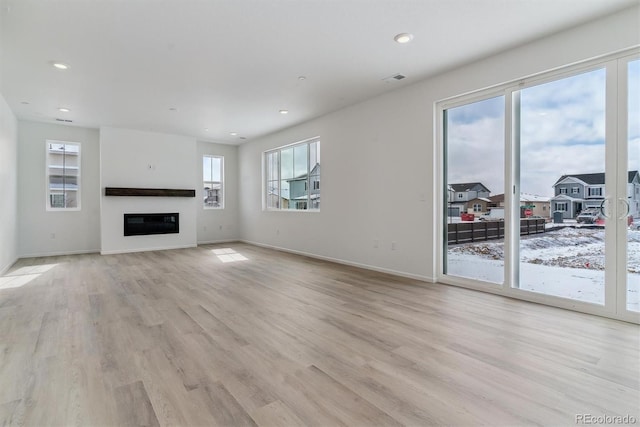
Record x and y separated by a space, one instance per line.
463 194
302 189
574 193
539 205
278 198
479 205
212 196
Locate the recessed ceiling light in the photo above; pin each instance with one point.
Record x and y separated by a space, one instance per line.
233 133
24 103
403 38
63 109
60 65
173 109
302 78
284 111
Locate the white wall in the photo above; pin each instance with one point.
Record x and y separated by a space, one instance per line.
130 158
219 225
42 232
378 158
8 186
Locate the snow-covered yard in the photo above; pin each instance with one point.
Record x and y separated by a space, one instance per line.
567 263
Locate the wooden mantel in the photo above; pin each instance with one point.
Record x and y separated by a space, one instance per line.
148 192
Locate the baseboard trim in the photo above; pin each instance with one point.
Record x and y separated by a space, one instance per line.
129 251
59 253
421 278
6 268
215 242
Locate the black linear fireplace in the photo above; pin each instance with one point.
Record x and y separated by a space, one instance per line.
151 223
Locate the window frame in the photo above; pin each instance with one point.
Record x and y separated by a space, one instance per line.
594 192
48 165
222 182
308 187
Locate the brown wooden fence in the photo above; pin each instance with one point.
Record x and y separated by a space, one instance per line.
466 232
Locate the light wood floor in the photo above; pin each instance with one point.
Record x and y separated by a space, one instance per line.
182 338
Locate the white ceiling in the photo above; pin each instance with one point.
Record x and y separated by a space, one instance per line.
231 65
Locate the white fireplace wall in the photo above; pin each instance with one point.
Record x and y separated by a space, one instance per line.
137 159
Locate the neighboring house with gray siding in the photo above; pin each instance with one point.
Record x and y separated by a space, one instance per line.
575 193
304 188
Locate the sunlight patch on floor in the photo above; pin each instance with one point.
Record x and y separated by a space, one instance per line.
229 255
23 275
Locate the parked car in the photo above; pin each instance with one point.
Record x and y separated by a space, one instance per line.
588 216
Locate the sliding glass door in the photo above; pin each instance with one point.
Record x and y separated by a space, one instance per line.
566 148
474 170
562 178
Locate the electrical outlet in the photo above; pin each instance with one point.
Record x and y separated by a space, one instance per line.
220 227
376 243
278 232
394 246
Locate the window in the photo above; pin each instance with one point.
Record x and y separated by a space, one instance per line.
460 195
562 207
575 190
477 207
213 182
63 175
292 176
595 191
563 190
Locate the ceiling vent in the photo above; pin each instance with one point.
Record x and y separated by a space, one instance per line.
64 120
395 77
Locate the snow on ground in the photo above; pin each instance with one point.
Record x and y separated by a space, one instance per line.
568 263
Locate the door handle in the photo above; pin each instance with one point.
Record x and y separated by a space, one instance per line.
603 211
624 203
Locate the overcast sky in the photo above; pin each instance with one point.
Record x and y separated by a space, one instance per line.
562 132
